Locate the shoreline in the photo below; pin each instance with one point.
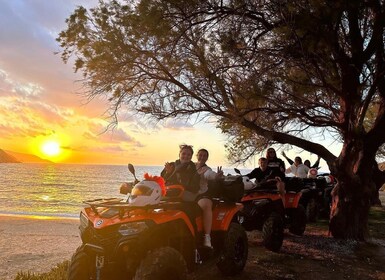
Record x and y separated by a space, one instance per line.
37 217
35 243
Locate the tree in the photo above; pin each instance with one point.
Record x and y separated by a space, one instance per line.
268 70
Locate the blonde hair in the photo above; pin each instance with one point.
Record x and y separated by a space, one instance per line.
187 147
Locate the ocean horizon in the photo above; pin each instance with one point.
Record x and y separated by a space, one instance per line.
58 190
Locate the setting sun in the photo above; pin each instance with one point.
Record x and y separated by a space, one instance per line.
50 148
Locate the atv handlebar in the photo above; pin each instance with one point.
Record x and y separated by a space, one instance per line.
127 187
174 191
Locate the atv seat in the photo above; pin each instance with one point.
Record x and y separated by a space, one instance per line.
228 190
262 190
294 184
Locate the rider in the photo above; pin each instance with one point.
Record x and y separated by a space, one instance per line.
298 169
266 176
261 173
276 163
183 172
306 162
205 197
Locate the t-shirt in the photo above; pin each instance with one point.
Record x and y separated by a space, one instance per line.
278 166
299 171
206 174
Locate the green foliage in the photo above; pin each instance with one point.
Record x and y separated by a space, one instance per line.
377 222
275 68
57 273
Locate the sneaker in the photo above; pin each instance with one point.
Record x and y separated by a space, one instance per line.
207 241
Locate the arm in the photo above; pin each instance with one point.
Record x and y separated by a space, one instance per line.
290 161
168 171
316 164
252 174
288 170
210 174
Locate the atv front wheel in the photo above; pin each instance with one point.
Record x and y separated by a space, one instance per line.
298 221
162 264
272 232
80 266
234 255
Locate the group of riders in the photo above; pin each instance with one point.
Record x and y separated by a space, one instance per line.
195 177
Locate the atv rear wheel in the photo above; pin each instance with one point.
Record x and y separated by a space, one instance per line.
272 232
162 263
298 220
312 211
234 254
80 266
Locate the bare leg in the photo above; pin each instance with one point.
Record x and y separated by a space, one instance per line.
206 205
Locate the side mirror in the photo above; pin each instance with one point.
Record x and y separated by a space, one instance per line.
132 170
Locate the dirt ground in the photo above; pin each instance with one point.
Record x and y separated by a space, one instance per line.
315 255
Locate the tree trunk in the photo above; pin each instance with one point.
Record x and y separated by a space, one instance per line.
353 194
349 212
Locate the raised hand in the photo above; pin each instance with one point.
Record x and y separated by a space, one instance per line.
219 172
169 167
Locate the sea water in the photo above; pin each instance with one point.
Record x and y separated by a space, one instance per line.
59 190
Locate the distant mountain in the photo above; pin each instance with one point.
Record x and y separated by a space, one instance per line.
7 158
20 157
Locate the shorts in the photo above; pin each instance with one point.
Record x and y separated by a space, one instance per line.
208 194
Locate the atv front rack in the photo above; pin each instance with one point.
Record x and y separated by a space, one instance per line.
117 204
112 203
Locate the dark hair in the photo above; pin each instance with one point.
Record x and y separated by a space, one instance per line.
203 150
262 159
298 159
187 147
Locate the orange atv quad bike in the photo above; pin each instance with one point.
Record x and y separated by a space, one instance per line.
263 210
160 240
266 210
295 213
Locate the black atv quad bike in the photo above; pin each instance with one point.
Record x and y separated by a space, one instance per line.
316 195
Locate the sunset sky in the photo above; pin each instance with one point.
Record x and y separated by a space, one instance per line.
39 101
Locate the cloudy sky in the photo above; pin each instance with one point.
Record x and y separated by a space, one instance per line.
40 100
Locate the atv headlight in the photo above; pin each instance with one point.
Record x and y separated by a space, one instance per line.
83 220
132 228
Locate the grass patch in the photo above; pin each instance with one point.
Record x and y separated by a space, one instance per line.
376 222
57 273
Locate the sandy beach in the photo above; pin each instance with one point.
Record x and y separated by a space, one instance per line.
35 244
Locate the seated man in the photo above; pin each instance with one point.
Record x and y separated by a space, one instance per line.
266 177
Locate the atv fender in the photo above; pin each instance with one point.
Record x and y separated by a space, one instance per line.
292 199
224 214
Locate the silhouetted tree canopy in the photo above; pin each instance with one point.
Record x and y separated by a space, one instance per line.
267 70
